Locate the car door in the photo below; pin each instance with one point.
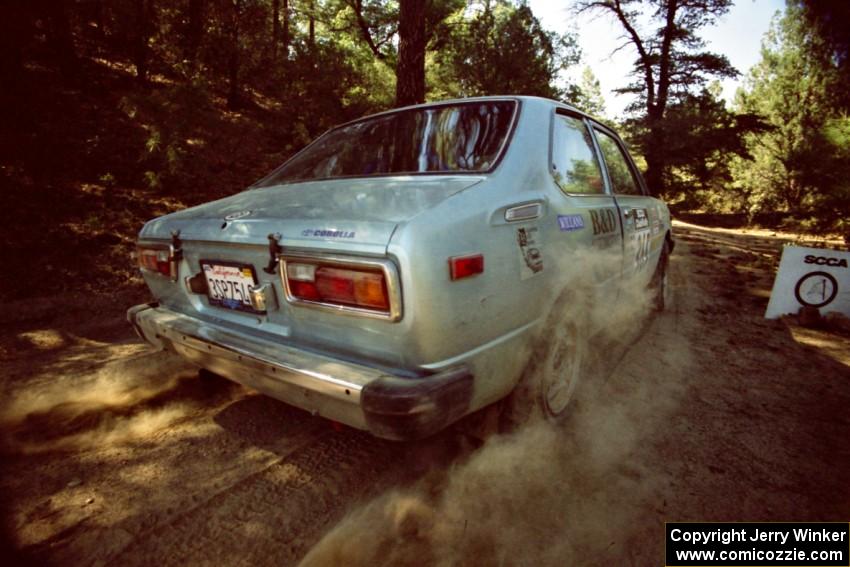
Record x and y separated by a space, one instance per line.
635 207
587 217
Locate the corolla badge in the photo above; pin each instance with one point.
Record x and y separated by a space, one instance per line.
239 215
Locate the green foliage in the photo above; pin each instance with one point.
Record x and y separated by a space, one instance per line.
801 163
703 138
372 22
499 47
135 108
107 180
584 176
320 62
172 117
671 62
830 45
832 202
588 96
670 67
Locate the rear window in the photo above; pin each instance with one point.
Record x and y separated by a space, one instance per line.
574 163
456 138
623 178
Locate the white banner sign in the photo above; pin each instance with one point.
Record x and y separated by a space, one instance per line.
816 277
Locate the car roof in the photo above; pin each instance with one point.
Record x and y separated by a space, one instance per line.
536 100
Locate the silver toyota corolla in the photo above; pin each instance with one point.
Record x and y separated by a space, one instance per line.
391 274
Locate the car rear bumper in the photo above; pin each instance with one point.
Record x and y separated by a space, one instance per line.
387 405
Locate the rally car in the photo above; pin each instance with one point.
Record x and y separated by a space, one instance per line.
394 274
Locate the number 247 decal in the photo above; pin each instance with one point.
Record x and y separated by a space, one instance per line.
642 249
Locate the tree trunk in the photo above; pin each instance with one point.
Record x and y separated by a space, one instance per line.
233 98
357 6
284 33
15 32
654 170
59 36
97 17
194 31
656 107
144 8
275 28
665 61
410 72
311 35
654 151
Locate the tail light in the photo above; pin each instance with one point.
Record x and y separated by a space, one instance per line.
157 259
465 266
364 287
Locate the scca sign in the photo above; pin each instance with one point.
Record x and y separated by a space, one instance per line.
813 277
824 261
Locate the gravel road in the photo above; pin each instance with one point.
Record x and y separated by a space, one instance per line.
708 412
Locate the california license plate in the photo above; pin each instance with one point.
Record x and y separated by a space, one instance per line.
228 284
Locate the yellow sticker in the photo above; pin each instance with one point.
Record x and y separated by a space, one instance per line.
246 272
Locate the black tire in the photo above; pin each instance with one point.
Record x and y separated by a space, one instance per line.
659 283
554 369
209 376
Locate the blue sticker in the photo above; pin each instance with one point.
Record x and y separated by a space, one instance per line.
570 222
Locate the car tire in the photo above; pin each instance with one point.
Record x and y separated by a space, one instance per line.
209 376
659 285
554 369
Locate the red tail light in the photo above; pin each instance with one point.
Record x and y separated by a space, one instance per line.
159 260
465 266
361 288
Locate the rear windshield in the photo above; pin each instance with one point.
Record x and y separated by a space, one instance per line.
463 137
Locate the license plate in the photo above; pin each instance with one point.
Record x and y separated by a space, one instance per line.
228 284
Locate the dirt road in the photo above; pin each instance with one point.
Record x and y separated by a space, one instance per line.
709 412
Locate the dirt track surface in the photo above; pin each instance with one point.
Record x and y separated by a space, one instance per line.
113 455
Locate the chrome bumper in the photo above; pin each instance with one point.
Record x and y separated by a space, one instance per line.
389 406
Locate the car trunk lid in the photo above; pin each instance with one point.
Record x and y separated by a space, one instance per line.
351 215
345 217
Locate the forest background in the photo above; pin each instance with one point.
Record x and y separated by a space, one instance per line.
116 111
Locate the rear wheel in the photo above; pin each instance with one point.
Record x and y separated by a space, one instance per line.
659 283
553 372
561 370
210 376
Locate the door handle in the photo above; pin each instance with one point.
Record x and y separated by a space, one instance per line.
627 213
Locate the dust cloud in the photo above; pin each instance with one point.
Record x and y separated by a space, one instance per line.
542 494
120 401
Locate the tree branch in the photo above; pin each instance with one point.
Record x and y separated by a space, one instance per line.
664 63
645 59
365 31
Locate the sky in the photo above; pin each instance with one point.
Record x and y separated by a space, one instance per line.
737 35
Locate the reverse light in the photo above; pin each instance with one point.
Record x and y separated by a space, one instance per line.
365 288
465 266
301 272
159 260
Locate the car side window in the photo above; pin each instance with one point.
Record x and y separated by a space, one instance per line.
623 178
574 163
